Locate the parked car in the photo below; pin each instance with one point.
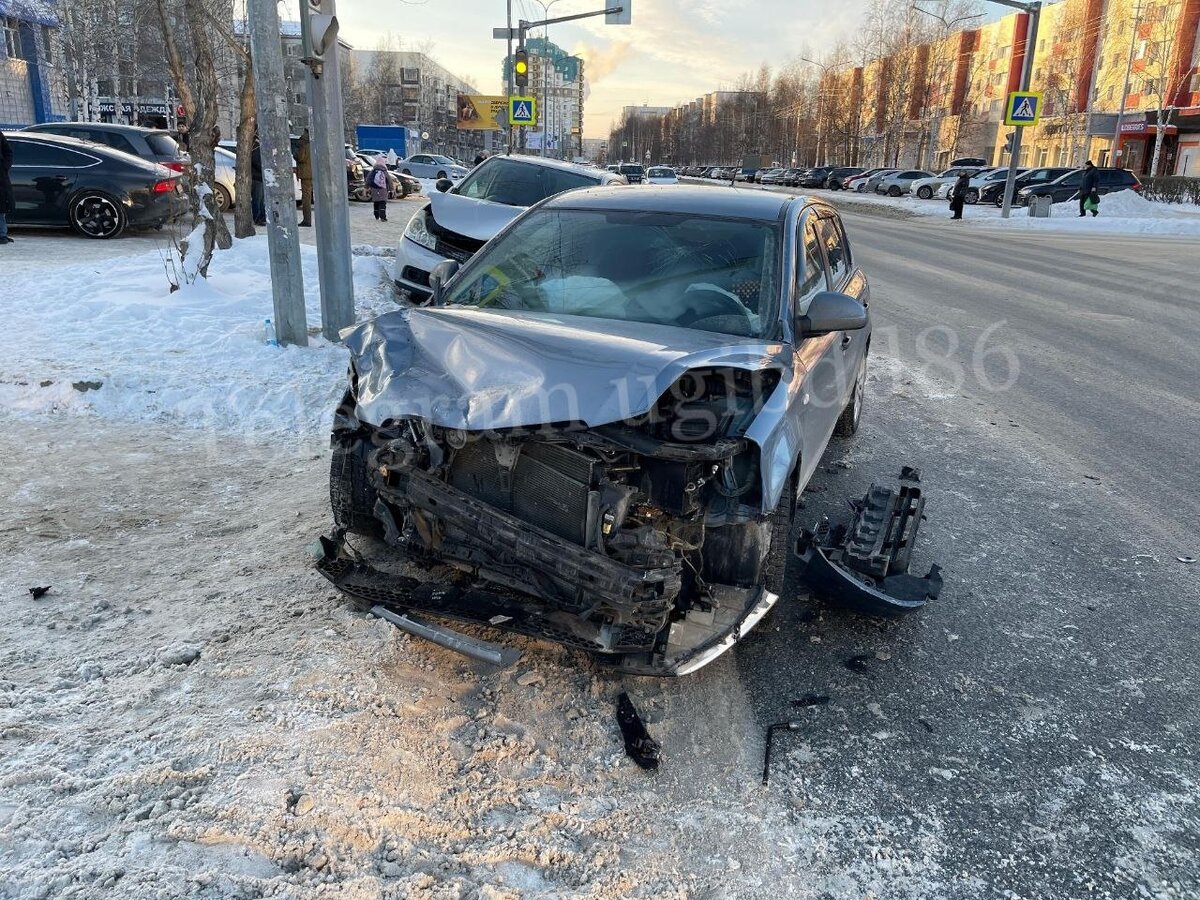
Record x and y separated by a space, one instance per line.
661 175
150 144
927 188
772 176
815 178
459 220
431 165
993 192
898 183
92 188
836 179
962 161
854 181
868 185
581 415
982 179
634 173
225 156
1067 186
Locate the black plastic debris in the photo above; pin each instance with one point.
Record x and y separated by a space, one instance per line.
39 592
771 729
863 564
642 748
860 663
811 700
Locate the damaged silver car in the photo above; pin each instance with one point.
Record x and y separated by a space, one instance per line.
597 431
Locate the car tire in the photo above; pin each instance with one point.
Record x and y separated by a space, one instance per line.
224 201
780 548
441 174
851 417
406 171
861 189
95 214
351 495
925 192
894 191
972 197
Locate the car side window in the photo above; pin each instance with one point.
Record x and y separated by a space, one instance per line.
836 251
44 156
478 184
811 279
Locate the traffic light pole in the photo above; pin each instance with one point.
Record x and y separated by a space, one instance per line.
330 189
1031 34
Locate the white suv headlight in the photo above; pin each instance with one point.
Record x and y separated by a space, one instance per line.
418 231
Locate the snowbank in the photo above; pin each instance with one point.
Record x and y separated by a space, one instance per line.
110 339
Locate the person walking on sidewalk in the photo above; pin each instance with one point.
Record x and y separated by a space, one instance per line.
377 181
6 191
304 173
958 194
1088 185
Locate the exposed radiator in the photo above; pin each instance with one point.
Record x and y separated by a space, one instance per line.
548 487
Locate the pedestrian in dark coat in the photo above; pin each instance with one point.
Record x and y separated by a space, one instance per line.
6 191
258 199
377 181
958 194
1088 188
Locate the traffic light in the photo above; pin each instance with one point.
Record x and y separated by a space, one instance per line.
1008 142
320 34
521 69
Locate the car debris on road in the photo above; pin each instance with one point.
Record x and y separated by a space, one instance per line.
642 749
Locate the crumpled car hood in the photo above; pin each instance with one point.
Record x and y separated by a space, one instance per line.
478 219
479 370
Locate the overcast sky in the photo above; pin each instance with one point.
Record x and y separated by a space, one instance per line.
675 50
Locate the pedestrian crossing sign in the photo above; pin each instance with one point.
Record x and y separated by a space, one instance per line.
1024 108
522 111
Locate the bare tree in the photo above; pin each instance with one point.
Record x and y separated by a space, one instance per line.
1165 71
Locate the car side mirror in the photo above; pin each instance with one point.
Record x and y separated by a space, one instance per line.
831 311
443 184
439 277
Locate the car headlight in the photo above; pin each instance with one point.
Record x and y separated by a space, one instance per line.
418 231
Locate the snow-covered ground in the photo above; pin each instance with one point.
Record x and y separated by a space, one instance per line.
107 337
1122 213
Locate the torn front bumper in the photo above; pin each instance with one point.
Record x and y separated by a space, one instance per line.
864 565
690 644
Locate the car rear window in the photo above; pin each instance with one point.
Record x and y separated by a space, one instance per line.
662 173
632 169
163 145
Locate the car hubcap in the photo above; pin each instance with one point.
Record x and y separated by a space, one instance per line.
860 385
97 216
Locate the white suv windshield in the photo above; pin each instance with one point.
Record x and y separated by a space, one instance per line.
663 268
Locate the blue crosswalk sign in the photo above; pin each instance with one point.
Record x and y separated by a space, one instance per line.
522 111
1024 108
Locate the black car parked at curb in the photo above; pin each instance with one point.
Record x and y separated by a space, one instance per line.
993 192
151 144
93 189
1067 187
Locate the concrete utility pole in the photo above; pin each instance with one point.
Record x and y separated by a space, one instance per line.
283 237
1031 34
319 32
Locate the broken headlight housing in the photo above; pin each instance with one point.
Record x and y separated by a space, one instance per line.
418 231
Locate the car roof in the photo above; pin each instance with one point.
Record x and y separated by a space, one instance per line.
91 147
742 204
99 126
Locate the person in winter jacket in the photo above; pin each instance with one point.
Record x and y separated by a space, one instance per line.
377 181
958 194
258 197
6 191
1088 186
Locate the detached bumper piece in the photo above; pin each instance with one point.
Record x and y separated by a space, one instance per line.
863 565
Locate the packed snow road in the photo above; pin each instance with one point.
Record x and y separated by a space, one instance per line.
192 711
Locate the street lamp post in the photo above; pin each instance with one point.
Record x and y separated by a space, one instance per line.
1035 13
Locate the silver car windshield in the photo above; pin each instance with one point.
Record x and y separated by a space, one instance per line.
699 272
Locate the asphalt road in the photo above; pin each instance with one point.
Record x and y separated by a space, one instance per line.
1032 733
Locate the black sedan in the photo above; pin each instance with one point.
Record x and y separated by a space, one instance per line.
94 189
993 192
1067 187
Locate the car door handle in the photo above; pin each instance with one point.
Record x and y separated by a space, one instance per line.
846 339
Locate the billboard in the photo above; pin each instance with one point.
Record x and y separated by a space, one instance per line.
477 112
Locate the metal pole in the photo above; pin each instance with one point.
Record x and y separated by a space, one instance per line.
330 189
283 237
1137 21
508 76
1031 33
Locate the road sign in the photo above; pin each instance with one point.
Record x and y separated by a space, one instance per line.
1024 108
522 111
505 34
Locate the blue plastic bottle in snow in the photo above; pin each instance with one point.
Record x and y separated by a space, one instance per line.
268 334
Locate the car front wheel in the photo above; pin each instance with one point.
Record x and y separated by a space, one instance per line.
351 494
972 196
925 192
224 201
441 174
97 215
894 191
